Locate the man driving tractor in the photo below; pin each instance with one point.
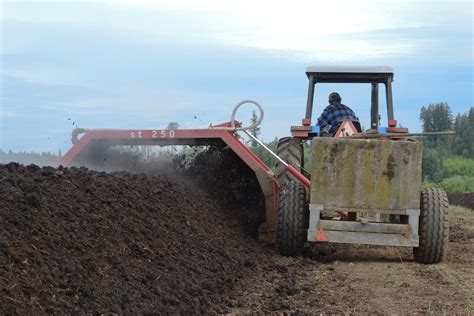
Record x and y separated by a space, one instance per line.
334 114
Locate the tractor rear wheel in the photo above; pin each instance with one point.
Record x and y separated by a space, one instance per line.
292 220
291 151
433 226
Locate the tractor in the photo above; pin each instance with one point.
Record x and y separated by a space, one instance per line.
364 186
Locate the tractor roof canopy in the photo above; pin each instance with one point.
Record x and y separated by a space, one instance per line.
331 74
373 75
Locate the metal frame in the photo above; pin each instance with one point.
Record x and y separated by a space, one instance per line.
364 232
372 75
164 137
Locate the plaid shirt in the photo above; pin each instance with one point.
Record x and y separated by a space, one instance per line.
335 113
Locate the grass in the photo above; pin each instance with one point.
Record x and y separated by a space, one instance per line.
406 283
459 209
430 304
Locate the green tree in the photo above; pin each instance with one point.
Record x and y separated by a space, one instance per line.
464 139
255 131
172 125
436 117
432 168
267 158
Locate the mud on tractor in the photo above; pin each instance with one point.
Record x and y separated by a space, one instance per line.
364 186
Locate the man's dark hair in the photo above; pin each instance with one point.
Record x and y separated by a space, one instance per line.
334 97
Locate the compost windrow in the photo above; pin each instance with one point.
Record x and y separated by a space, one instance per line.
77 240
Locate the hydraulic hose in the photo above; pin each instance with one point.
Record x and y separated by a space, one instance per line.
234 112
244 128
75 134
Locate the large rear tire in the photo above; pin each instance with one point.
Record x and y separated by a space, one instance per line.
433 226
291 151
292 220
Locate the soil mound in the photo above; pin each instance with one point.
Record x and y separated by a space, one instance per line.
74 240
462 199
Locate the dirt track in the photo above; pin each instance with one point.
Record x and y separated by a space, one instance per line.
74 240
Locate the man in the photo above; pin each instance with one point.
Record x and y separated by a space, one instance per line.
334 114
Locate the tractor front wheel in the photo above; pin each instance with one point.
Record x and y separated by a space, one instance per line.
433 226
292 220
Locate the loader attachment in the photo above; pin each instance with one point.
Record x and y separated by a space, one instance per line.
91 148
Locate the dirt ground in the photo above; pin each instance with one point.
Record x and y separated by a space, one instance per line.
381 280
74 240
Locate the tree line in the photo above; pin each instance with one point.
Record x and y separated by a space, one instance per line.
26 158
448 161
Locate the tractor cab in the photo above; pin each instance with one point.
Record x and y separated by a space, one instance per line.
372 75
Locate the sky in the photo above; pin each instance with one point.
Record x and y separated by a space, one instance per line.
141 64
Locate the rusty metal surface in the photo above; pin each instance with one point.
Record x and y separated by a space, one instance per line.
366 173
381 239
364 227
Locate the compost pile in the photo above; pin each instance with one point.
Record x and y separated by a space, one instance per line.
76 240
462 199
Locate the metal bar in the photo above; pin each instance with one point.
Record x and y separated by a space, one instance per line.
366 238
413 222
314 218
266 148
374 109
355 209
368 227
248 156
309 101
298 175
388 94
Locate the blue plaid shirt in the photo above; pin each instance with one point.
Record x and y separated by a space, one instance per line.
335 113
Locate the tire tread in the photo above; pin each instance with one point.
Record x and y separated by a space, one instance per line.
292 220
433 226
291 151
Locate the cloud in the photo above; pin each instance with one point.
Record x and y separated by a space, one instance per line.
140 64
305 29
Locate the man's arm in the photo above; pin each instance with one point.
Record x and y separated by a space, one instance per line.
323 120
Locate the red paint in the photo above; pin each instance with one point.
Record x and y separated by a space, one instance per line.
300 134
397 130
301 128
321 236
305 181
